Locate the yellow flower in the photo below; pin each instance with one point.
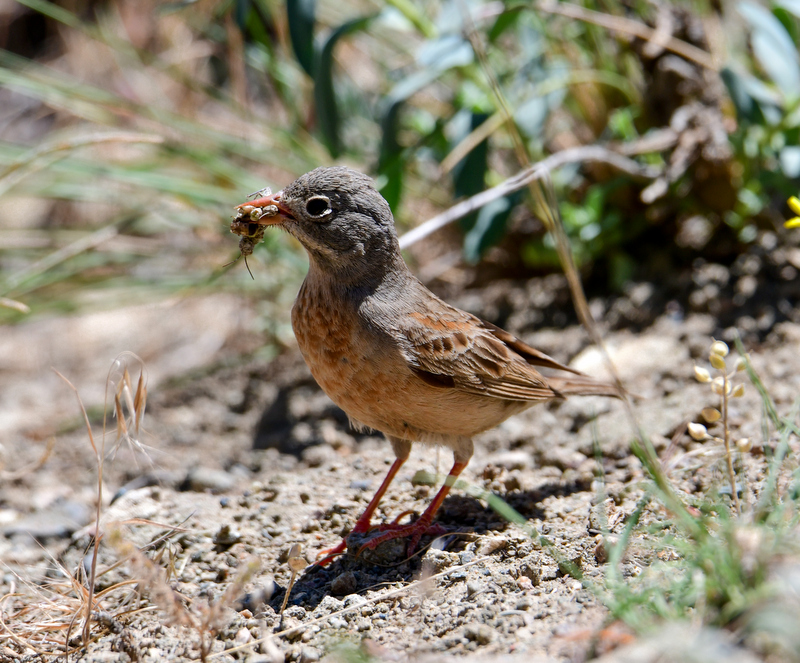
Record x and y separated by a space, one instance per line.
794 204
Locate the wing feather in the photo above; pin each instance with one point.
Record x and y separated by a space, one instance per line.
452 349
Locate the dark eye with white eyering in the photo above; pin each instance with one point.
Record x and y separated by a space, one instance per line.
318 207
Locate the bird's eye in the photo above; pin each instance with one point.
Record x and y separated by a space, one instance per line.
318 207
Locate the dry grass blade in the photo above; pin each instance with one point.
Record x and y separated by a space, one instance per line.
122 429
204 619
140 400
123 394
83 412
77 247
47 614
46 155
129 404
13 304
153 577
99 459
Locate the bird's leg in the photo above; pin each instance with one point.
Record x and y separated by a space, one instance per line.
423 525
402 449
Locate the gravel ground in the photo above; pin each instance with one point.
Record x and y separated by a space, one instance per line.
247 458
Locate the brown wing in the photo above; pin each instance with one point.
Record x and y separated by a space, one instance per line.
449 348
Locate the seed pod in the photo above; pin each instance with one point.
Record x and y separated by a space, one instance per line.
717 361
697 431
701 374
744 444
711 414
719 348
738 391
719 384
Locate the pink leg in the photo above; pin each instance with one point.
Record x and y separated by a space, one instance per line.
423 525
363 523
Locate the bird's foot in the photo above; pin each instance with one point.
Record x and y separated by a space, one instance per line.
392 531
377 535
325 557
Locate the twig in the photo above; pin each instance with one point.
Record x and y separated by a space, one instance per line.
582 154
628 26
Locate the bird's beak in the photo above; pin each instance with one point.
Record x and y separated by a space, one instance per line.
272 211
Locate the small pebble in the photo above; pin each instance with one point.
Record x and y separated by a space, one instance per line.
308 655
480 633
343 584
202 479
337 622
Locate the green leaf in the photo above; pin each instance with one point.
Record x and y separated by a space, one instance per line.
390 158
791 6
437 56
747 106
469 174
773 48
790 161
489 228
505 20
446 52
324 93
241 10
301 15
530 115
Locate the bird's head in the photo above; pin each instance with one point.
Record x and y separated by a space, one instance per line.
340 218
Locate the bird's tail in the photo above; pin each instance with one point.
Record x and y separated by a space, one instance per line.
582 385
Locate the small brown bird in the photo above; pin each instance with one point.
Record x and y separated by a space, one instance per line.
389 352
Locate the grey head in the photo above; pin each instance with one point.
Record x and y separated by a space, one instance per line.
342 221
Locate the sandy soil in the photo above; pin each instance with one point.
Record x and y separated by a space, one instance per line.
245 458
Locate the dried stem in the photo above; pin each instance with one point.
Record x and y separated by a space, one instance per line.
582 154
635 28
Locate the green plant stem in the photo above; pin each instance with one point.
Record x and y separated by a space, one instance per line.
726 437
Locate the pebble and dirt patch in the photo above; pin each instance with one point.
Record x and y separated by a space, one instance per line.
246 459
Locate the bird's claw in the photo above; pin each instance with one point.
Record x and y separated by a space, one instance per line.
386 532
414 532
329 554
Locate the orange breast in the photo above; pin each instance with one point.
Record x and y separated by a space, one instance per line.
363 371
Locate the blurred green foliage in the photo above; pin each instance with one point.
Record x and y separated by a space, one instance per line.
227 96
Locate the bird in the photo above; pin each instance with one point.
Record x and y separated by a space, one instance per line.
389 352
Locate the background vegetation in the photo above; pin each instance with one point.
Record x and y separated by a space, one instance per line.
129 130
